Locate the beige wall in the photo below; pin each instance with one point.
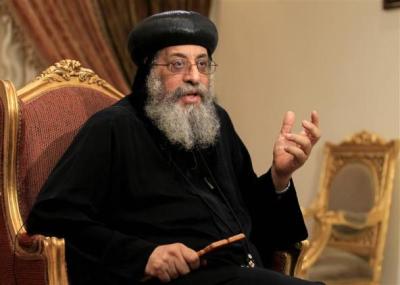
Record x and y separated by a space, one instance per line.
340 57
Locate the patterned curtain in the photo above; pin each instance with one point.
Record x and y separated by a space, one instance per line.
18 60
62 29
119 17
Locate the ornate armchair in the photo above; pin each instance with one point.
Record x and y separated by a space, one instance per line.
38 122
350 215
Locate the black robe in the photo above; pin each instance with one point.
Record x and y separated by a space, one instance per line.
121 189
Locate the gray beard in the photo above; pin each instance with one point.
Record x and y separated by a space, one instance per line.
190 126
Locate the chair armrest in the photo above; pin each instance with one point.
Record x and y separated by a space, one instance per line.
353 220
287 260
28 245
309 212
51 249
325 221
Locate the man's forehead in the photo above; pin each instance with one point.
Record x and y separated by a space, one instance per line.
185 51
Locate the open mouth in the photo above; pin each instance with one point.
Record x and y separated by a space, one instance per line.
191 98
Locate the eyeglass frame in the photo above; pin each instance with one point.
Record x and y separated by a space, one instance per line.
211 65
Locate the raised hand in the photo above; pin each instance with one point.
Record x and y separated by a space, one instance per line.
170 261
292 150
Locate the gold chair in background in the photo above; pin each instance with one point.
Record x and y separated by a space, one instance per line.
350 215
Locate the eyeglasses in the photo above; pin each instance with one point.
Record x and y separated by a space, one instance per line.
181 65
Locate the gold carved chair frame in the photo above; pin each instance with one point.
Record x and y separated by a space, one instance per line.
66 73
365 234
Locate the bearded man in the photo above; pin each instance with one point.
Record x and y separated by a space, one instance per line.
161 174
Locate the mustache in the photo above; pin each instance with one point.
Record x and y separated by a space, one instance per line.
185 89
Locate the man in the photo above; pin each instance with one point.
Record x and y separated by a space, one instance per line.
161 174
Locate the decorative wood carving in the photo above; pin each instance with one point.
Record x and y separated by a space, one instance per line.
67 69
365 237
364 138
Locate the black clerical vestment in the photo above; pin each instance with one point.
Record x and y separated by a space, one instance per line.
121 189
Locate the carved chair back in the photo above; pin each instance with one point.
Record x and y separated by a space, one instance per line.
38 122
352 209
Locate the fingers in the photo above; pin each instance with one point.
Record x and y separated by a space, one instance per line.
186 260
302 141
298 154
311 129
191 258
170 261
315 118
292 150
300 147
288 122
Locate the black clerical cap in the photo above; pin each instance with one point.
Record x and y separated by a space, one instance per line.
169 29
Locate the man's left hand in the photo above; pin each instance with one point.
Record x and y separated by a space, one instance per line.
292 150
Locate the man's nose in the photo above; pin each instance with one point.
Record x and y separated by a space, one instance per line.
192 74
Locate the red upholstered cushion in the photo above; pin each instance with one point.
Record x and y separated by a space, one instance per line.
48 126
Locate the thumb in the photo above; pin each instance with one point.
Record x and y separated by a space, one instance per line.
288 122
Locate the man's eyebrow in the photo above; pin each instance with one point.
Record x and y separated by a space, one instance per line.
202 55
